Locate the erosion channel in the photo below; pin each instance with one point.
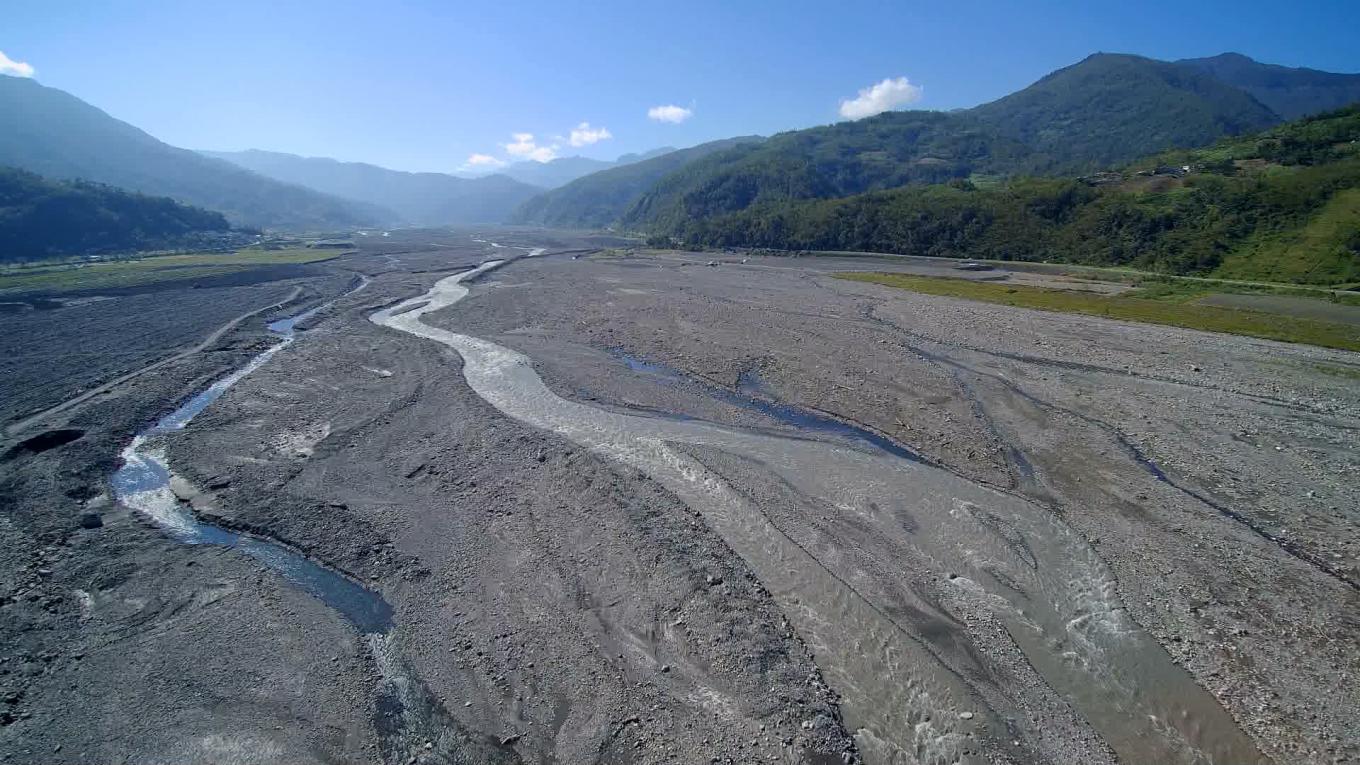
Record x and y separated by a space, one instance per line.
408 718
903 694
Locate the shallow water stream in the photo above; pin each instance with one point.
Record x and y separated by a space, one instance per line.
904 696
143 484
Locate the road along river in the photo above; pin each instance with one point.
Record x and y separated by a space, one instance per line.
900 696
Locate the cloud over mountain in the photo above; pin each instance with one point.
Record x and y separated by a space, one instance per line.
585 135
881 97
523 146
14 68
669 113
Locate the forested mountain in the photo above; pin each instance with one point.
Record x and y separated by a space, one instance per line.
427 199
1279 205
886 151
1111 108
602 198
40 218
55 134
1107 109
1289 92
1104 109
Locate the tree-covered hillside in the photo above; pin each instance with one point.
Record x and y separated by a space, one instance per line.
1279 205
41 218
1289 92
886 151
599 199
1106 109
1111 108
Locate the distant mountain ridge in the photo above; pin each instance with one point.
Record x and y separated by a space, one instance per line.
424 199
1104 110
564 170
1289 92
1111 108
52 133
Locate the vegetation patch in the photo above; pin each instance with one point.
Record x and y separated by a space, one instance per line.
1127 307
136 272
1186 289
1335 370
41 218
1277 206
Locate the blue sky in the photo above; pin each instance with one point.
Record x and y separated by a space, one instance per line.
425 85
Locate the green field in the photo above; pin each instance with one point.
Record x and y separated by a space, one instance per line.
1152 309
1150 284
72 277
1319 252
1184 289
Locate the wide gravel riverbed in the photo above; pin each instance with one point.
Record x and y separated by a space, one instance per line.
635 508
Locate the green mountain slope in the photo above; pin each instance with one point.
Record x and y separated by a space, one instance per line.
428 199
1111 108
886 151
55 134
1279 205
1289 92
41 218
1105 109
599 199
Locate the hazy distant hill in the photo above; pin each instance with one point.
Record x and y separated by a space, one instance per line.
602 198
428 199
564 170
550 175
42 218
1290 93
55 134
1111 108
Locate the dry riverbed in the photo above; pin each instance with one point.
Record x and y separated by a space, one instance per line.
551 602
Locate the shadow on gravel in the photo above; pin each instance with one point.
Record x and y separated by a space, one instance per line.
42 442
753 395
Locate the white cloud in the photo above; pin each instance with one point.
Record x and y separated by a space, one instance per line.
669 113
523 146
483 160
880 98
14 68
584 135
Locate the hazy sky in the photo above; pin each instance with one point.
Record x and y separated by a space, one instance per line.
427 85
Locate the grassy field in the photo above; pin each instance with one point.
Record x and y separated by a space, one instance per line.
1187 286
1151 309
1319 252
71 277
1180 289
